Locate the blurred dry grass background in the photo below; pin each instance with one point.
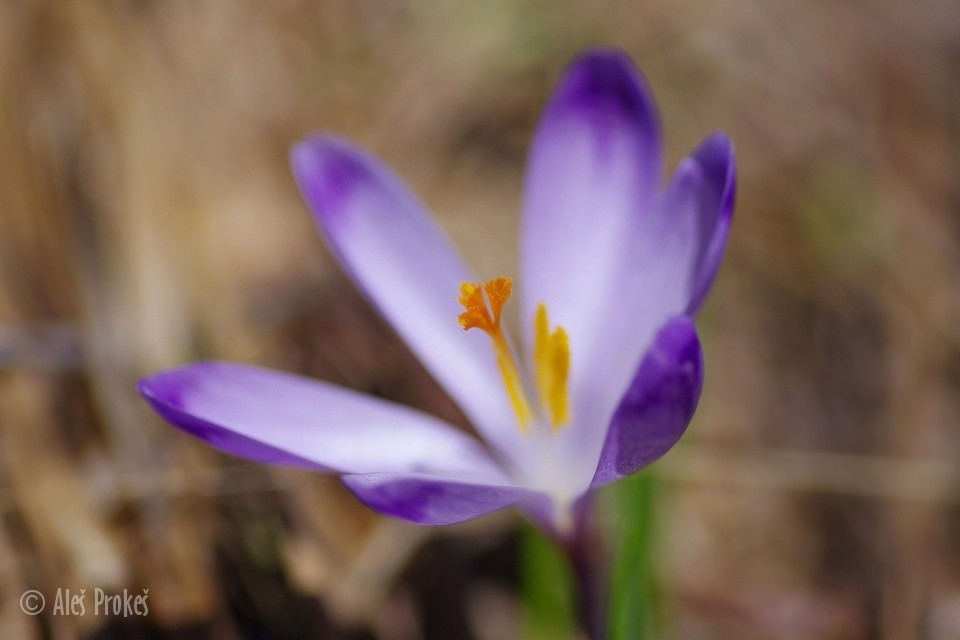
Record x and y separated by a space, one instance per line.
148 218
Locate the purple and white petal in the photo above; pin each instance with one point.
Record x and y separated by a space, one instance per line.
397 255
434 501
279 418
594 167
673 263
594 174
658 405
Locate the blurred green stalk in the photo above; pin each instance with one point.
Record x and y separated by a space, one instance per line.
549 584
548 589
633 592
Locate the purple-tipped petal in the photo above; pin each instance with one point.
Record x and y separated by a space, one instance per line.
397 255
715 204
592 183
594 168
280 418
658 405
438 502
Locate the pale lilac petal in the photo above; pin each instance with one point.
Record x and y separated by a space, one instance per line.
715 206
594 169
435 501
658 405
673 261
281 418
592 184
398 256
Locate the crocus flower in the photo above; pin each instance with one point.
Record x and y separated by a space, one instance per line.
609 369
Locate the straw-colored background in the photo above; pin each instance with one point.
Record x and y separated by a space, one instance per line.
148 218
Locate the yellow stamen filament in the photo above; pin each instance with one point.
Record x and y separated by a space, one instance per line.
551 358
484 314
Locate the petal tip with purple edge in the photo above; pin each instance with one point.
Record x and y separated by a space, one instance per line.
327 170
606 87
167 394
715 156
607 79
282 418
658 405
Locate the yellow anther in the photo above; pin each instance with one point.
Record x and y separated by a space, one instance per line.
551 358
481 313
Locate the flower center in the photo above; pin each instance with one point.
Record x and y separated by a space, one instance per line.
483 304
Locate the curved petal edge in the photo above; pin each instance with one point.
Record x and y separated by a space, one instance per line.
435 501
717 196
658 404
280 418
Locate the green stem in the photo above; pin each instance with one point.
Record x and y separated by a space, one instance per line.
633 594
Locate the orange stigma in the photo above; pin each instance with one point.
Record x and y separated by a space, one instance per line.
483 305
